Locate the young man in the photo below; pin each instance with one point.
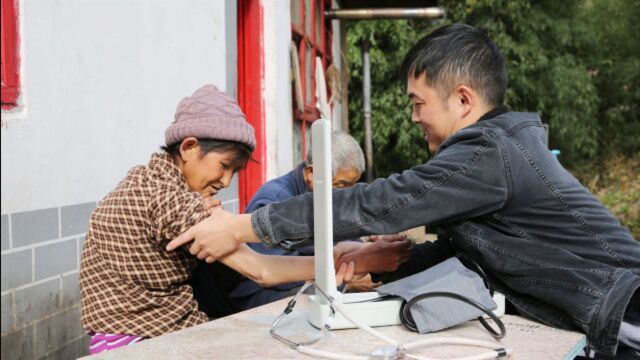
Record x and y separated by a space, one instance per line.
493 189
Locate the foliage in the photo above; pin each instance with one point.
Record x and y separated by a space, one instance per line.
614 61
567 60
398 144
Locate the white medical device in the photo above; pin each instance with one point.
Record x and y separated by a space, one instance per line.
363 307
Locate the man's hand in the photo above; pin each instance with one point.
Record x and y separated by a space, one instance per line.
384 254
212 237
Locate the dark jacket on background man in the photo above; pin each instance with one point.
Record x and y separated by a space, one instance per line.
502 198
279 189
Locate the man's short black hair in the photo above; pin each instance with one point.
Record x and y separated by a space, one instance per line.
459 54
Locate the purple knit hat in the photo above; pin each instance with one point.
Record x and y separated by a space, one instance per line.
210 114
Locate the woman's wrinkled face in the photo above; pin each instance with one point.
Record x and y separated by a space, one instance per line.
207 173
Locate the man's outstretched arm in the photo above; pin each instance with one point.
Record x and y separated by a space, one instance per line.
210 243
220 234
465 180
453 186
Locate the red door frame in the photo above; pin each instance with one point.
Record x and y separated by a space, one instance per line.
250 97
10 88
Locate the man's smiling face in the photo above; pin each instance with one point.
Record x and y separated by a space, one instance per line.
434 114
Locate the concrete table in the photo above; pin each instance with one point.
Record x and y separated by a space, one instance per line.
246 336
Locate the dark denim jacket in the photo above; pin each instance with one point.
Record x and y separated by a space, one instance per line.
503 199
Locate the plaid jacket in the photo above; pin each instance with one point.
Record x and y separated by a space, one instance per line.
129 283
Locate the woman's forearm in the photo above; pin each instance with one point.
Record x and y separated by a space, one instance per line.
269 270
285 269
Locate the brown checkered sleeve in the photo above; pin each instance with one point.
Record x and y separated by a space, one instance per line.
173 211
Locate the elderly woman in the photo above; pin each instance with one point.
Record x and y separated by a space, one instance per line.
131 287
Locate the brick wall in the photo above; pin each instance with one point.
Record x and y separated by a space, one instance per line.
40 267
40 294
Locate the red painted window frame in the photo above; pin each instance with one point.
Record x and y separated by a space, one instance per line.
250 97
10 76
320 48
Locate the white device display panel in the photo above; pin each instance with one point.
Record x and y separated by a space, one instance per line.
361 306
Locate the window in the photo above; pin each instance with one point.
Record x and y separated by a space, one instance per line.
10 74
312 38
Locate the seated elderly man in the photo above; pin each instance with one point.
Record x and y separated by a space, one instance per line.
347 161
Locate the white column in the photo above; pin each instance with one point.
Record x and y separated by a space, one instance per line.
277 87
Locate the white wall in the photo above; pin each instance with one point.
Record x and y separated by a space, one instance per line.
102 80
277 87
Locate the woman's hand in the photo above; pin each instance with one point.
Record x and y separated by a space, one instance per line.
361 282
344 247
210 203
345 273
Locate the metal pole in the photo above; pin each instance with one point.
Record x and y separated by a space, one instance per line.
385 13
366 89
